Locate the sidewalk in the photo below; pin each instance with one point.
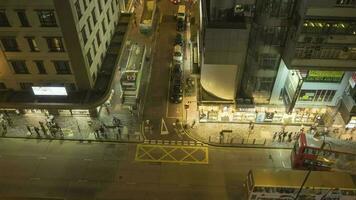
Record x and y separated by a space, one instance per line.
238 134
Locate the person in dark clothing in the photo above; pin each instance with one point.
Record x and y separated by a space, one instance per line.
279 137
274 136
96 133
29 129
284 135
290 137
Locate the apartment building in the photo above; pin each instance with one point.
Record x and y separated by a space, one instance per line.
54 43
299 63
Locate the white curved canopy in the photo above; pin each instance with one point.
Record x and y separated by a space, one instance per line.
219 80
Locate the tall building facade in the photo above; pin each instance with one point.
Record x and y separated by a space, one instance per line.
55 43
299 62
318 59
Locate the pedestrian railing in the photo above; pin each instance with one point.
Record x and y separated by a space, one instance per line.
247 141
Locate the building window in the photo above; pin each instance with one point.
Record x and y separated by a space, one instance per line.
90 59
9 44
2 86
268 61
98 39
26 85
89 25
77 8
84 35
55 44
40 67
47 18
23 18
62 67
317 95
19 66
32 44
4 22
93 14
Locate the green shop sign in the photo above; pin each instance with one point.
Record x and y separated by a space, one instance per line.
324 76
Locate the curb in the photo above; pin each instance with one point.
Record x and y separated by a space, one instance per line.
72 140
233 146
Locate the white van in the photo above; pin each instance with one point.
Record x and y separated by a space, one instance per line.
181 13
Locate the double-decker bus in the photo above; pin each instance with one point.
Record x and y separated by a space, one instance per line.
335 155
269 184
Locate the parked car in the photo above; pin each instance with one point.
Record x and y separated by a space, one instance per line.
180 25
176 71
178 54
176 90
179 40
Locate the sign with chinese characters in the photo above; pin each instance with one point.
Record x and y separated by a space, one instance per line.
324 76
50 91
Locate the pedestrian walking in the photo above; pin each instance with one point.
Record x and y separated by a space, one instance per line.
4 127
96 133
279 137
37 130
284 135
290 137
119 131
60 132
274 136
29 130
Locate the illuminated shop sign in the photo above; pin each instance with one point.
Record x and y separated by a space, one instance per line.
50 91
324 76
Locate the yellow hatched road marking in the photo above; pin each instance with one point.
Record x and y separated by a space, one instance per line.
172 154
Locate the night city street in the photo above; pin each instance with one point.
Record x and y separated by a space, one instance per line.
178 99
72 170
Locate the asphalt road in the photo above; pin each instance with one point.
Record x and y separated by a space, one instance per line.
72 170
157 105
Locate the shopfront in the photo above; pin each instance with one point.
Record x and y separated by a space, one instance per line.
260 114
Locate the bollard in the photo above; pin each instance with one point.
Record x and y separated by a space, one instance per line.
209 138
242 141
232 139
264 141
254 140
